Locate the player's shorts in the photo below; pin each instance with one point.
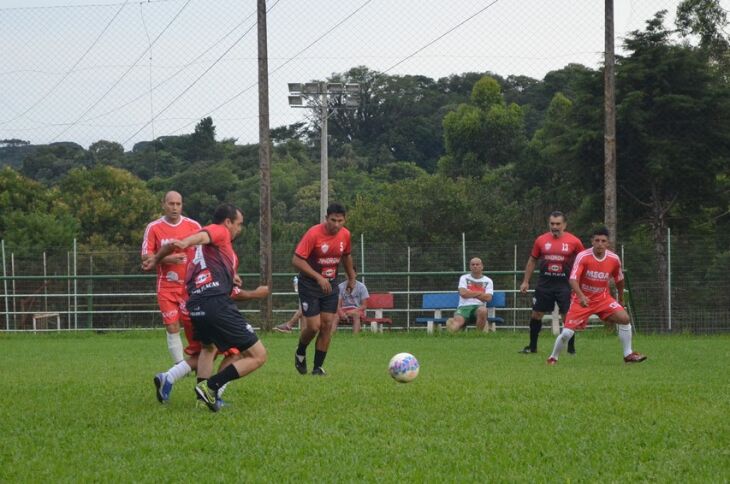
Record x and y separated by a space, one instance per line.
217 320
469 313
172 304
314 301
547 295
577 317
193 348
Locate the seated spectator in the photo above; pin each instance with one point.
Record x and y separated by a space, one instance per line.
352 305
475 291
296 317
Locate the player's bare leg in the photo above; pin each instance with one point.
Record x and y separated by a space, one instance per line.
324 337
355 321
455 323
482 324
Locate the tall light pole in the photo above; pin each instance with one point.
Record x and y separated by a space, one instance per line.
324 98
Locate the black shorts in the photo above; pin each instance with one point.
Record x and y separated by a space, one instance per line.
217 320
314 301
547 295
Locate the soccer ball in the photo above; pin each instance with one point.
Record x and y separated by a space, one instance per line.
403 367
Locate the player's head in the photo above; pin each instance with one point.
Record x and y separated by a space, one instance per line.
335 220
230 217
557 222
172 206
476 266
600 240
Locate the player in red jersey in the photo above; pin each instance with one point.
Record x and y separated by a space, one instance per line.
589 280
171 293
556 251
317 258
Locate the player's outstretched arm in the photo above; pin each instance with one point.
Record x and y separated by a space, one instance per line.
244 295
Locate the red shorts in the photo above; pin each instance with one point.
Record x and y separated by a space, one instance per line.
577 317
346 312
172 305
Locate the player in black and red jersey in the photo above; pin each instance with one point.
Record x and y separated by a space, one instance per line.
217 323
317 258
556 251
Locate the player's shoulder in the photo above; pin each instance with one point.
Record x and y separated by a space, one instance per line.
158 222
572 237
189 221
613 256
584 253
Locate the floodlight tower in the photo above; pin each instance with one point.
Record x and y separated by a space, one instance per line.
324 98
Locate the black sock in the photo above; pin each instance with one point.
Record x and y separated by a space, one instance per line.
229 373
319 357
535 327
302 349
198 380
571 344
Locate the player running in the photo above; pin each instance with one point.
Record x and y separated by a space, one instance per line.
171 293
317 258
589 280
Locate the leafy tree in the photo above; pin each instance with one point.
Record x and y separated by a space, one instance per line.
111 204
106 152
49 163
486 132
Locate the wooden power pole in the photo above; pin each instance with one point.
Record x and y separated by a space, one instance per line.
609 133
264 166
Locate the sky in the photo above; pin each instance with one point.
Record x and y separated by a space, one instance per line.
86 70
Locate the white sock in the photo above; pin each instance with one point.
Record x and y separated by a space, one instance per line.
561 342
221 390
174 344
624 335
178 371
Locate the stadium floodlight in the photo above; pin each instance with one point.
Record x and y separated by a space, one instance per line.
334 88
312 88
324 98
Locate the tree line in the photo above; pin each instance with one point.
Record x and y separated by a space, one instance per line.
422 160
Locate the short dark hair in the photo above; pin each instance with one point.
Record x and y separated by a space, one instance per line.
558 213
225 211
602 230
336 208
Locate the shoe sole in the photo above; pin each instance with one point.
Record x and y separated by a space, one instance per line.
213 407
302 369
158 386
636 361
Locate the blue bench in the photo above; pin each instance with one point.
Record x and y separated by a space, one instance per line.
439 302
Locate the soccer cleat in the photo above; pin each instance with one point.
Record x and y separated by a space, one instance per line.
319 371
220 402
526 350
163 387
571 351
301 366
282 328
207 396
552 361
634 357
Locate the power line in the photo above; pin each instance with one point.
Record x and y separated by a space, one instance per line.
439 37
71 70
175 74
116 83
190 86
315 41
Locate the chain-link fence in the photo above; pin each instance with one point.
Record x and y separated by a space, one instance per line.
108 290
132 71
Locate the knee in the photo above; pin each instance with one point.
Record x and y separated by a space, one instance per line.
482 312
260 357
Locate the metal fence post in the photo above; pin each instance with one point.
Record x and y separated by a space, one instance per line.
5 285
514 289
15 298
463 252
669 278
362 255
408 292
76 288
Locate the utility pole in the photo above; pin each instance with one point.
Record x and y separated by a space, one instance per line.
264 166
323 156
609 133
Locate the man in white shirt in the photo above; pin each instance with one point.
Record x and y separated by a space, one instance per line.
475 291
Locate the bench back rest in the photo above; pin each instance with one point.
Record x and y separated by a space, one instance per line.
440 300
451 300
380 300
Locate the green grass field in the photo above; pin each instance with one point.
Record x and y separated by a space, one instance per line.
81 407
